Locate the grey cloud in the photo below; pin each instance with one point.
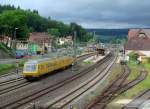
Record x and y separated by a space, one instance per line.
92 13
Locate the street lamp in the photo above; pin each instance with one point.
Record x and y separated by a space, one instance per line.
15 33
15 38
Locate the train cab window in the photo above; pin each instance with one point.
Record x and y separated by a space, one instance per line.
30 67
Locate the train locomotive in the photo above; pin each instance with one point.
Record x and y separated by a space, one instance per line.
36 68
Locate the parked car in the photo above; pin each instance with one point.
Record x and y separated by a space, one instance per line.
20 53
27 56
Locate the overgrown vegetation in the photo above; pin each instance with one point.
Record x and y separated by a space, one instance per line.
6 49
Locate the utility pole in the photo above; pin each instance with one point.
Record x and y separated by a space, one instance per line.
74 43
94 39
74 49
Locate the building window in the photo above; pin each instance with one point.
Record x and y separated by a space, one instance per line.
142 35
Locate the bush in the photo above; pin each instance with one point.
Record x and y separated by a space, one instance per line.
133 56
148 59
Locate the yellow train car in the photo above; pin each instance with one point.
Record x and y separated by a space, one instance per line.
36 68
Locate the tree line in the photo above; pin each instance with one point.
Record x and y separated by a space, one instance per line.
25 21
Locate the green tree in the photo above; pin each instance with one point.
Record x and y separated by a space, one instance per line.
54 32
6 7
88 37
30 21
63 29
79 30
9 20
113 40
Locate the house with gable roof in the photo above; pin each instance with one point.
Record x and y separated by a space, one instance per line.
138 42
39 40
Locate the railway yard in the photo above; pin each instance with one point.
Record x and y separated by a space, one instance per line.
93 82
74 54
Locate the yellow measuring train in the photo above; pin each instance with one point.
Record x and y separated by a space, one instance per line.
36 68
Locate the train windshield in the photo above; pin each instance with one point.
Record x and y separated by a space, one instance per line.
30 67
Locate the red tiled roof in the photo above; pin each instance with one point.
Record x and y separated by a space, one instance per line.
137 43
134 32
36 36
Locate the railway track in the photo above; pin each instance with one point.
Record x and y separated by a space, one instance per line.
13 87
16 83
101 101
142 97
138 101
64 100
114 90
13 72
24 100
4 75
11 81
138 79
10 73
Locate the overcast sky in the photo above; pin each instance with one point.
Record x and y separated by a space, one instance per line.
92 13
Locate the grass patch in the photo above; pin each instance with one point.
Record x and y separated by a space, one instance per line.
134 73
6 67
87 62
145 84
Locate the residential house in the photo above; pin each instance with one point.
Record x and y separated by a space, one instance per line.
39 41
138 42
65 39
